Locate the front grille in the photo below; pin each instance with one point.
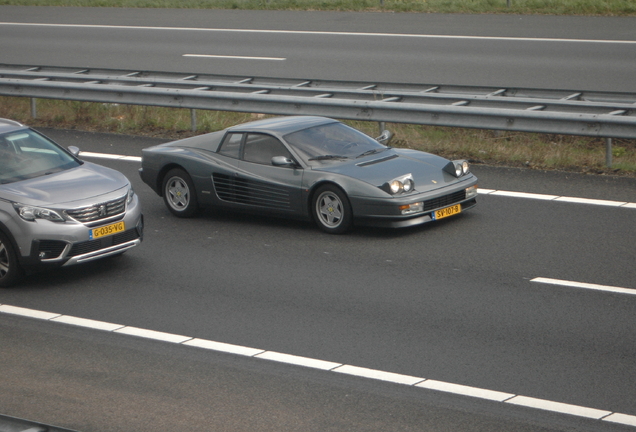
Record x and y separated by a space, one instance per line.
445 200
99 211
51 248
103 243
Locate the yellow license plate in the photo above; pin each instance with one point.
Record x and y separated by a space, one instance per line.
106 230
446 212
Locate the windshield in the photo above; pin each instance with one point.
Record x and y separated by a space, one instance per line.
333 141
26 154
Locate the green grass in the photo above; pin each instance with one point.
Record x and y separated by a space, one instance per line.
539 151
551 7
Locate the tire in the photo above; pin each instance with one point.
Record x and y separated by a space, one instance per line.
331 210
179 194
10 270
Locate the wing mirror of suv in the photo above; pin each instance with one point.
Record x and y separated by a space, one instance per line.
74 150
385 138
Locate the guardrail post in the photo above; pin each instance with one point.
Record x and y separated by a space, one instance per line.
382 127
34 113
608 152
193 120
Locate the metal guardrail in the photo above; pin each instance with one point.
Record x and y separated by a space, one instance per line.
584 113
600 114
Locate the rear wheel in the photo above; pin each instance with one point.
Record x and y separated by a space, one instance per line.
10 271
332 210
179 194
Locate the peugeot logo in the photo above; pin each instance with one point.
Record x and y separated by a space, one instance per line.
102 211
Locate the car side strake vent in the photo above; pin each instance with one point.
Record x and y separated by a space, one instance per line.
250 192
99 211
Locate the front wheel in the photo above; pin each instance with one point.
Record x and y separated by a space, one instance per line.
10 270
332 210
179 194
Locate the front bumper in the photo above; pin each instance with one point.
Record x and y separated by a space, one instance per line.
387 213
53 244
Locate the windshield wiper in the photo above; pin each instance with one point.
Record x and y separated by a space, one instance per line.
326 157
372 151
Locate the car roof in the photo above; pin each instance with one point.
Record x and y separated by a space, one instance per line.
7 125
282 125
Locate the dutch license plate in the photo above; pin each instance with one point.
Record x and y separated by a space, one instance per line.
106 230
446 212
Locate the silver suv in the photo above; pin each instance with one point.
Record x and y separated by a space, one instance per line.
57 210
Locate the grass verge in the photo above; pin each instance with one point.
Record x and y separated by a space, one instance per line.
515 149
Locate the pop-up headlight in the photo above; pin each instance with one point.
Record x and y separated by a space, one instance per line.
403 184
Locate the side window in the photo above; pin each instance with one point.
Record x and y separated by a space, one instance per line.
231 145
261 149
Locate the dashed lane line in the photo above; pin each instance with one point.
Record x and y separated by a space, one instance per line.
412 381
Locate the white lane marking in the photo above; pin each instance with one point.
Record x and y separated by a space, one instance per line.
83 322
545 197
378 375
110 156
465 390
235 57
297 360
541 404
31 313
325 33
622 419
481 191
559 407
590 286
223 347
152 334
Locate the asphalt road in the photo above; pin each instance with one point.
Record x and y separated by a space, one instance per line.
450 301
578 53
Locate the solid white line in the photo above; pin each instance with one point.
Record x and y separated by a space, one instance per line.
323 33
110 156
83 322
152 334
458 389
223 347
297 360
558 407
465 390
235 57
378 375
622 419
590 286
31 313
545 197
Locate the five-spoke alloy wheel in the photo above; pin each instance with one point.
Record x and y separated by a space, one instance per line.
332 210
179 194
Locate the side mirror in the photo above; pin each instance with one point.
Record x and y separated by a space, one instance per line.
385 138
283 161
74 150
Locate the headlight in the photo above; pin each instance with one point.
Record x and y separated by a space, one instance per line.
131 194
457 168
31 213
403 184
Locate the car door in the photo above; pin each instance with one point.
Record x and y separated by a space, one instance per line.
264 186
